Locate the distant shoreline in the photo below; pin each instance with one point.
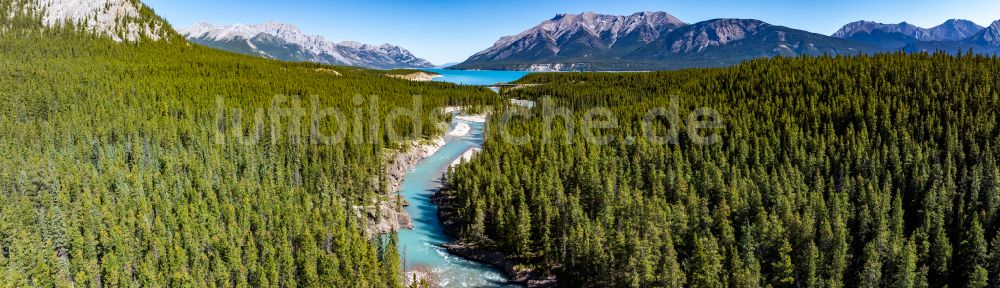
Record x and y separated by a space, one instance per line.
413 75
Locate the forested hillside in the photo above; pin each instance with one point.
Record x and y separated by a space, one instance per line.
875 171
119 170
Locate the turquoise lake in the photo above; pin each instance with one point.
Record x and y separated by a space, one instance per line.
420 247
477 77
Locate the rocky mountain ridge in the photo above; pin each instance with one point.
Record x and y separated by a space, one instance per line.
120 20
657 41
649 41
288 43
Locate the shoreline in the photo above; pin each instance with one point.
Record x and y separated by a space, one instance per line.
461 129
466 156
417 76
446 214
478 118
458 144
384 215
516 275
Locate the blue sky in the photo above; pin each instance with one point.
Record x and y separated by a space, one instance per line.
451 31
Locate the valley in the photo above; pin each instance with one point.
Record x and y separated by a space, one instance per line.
423 246
420 247
590 150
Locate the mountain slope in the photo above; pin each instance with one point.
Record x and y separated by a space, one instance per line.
288 43
585 37
886 36
989 37
121 20
954 30
723 42
896 36
986 41
654 41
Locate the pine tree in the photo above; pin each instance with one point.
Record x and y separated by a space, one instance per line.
784 269
392 263
670 271
705 264
523 229
905 276
973 255
746 271
871 271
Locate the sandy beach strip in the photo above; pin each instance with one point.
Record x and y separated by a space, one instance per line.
461 129
466 157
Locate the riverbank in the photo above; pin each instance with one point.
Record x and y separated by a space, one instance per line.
515 269
466 156
421 247
386 213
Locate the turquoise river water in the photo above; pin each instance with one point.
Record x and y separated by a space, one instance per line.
420 246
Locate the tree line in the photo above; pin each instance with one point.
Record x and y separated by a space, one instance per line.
867 171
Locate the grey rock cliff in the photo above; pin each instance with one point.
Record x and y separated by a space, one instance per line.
288 43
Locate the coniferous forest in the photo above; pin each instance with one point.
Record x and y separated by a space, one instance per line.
114 172
869 171
168 164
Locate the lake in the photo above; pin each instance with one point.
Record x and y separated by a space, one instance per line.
477 77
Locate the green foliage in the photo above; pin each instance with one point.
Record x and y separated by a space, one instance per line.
831 172
119 170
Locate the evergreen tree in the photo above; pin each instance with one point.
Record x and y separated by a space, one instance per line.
706 264
973 255
670 272
522 229
839 189
783 268
156 163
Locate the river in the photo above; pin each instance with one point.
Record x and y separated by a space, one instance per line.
420 247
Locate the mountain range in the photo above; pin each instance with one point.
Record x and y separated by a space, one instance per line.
896 36
567 42
986 41
657 40
288 43
574 39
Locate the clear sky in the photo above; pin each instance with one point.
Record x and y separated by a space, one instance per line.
451 31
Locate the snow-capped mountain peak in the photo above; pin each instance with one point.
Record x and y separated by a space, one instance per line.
649 41
288 42
353 44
